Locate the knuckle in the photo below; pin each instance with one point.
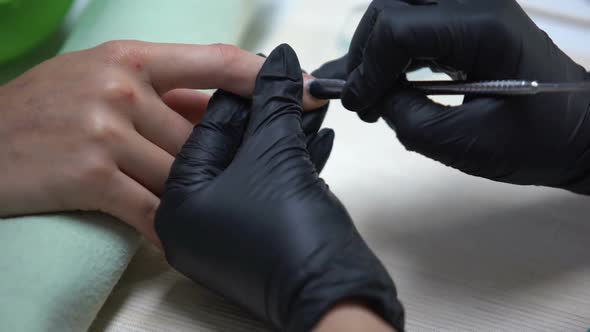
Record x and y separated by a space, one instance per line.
102 129
114 48
130 53
98 170
117 88
118 47
145 208
227 53
148 209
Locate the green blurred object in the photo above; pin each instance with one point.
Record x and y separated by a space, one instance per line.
25 24
57 270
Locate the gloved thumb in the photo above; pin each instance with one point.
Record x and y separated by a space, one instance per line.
213 143
335 69
277 101
319 142
463 137
320 148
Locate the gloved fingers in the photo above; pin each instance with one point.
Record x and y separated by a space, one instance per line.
277 100
463 137
311 122
367 25
418 121
365 29
213 143
399 34
320 143
310 103
320 148
376 60
335 69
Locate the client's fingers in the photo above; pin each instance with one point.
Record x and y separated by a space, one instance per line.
218 66
161 125
144 161
311 103
191 104
132 203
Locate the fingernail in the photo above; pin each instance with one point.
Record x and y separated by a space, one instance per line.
310 103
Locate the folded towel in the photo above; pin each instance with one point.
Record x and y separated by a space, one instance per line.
57 271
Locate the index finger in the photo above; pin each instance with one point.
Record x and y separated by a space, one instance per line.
216 66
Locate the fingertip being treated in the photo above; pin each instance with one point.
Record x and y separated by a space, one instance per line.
282 64
310 102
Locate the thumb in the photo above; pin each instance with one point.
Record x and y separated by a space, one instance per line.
320 148
277 100
213 143
335 69
466 137
319 142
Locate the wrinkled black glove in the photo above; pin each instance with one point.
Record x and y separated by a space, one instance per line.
532 140
320 142
245 213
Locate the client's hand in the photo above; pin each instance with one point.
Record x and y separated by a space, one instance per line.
246 214
97 130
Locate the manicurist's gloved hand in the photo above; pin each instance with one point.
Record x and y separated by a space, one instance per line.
245 213
533 140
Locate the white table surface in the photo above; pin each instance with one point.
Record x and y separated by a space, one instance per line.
467 254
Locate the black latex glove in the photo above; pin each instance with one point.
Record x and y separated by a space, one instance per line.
245 213
538 140
319 142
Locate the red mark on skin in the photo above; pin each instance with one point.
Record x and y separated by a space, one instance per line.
124 93
120 91
138 65
128 94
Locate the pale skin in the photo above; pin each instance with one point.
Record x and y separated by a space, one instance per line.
98 129
350 316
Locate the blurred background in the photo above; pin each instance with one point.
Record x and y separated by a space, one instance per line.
486 257
33 30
